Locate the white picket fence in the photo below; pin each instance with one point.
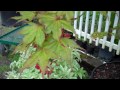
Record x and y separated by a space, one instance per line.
85 29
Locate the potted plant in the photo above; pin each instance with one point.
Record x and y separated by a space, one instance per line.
46 33
110 70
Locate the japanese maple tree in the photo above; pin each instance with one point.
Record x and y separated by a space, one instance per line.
45 32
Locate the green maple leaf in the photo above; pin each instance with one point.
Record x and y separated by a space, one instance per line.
40 36
67 26
69 43
25 15
33 59
28 29
63 52
33 32
55 28
55 25
47 19
66 55
68 14
20 48
51 45
43 60
29 38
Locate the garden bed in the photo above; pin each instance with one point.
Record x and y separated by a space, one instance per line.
88 66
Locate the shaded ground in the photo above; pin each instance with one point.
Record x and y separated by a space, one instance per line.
4 66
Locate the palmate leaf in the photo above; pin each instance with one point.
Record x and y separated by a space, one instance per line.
29 32
47 19
20 48
33 59
33 32
49 28
57 30
68 14
63 52
50 13
69 43
41 57
29 38
66 55
28 29
44 57
40 36
60 49
51 45
55 25
67 25
25 15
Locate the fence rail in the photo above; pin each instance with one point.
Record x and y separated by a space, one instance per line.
87 22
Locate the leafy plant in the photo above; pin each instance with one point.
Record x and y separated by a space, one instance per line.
46 32
56 69
99 35
4 68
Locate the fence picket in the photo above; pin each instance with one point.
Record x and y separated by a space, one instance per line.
80 24
99 27
106 28
86 25
118 48
98 41
92 25
114 31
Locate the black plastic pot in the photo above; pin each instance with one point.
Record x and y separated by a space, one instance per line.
105 55
109 70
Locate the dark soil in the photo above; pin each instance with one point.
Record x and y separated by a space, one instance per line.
107 71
